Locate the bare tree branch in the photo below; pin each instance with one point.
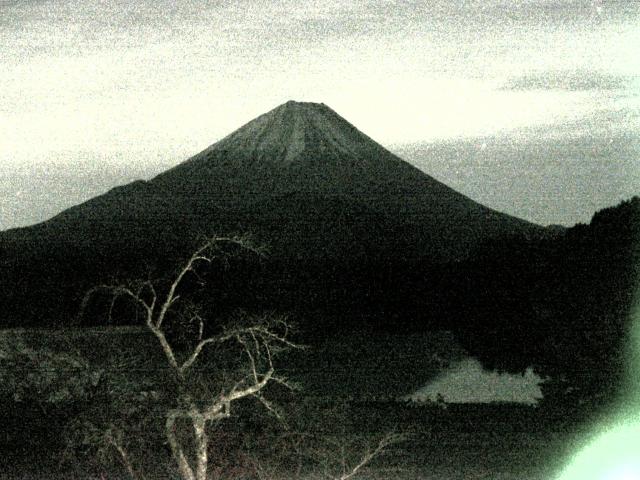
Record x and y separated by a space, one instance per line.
112 440
116 291
166 348
269 406
196 352
252 361
259 337
236 394
386 441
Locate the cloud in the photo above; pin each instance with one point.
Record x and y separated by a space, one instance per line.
568 80
565 13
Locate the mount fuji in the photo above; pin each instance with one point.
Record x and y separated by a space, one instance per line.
300 178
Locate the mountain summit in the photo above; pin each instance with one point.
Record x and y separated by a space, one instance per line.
294 147
300 178
302 167
295 131
298 168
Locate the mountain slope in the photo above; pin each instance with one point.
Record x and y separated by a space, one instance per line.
301 149
300 178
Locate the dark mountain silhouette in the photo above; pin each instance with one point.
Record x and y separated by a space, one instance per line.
300 178
304 165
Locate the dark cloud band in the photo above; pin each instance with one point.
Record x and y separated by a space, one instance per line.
570 80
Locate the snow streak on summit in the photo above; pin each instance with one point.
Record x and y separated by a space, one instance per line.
295 147
292 129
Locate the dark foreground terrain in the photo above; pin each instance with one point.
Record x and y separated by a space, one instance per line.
45 413
504 442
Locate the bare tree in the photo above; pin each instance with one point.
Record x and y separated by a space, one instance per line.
327 457
256 339
324 442
348 468
108 444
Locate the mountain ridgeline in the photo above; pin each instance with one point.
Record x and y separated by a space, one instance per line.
300 179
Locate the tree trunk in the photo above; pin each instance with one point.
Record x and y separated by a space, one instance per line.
202 444
125 459
186 472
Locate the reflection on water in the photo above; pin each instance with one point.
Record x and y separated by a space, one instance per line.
467 382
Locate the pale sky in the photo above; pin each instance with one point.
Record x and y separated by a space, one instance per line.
153 82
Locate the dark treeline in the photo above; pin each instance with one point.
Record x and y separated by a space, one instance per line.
562 304
559 303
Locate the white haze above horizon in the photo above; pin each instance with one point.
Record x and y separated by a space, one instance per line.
467 381
134 87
